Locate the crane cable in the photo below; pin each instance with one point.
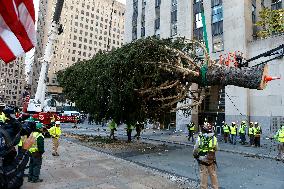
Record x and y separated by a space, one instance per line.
233 104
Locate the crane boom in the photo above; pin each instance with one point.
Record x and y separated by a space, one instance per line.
36 105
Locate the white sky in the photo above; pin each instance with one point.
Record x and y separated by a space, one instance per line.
122 1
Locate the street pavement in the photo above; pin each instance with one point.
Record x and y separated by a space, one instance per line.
268 147
80 167
238 166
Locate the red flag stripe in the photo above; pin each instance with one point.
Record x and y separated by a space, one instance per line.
10 16
5 52
10 39
27 22
30 6
17 28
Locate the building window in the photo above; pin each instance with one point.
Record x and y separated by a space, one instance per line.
157 3
276 4
174 18
253 17
217 13
134 19
217 25
143 18
197 25
218 44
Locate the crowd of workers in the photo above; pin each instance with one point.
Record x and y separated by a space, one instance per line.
207 144
233 131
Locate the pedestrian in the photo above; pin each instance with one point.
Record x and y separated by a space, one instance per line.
191 130
251 133
242 132
233 130
55 133
226 131
112 126
139 127
279 136
36 155
204 151
129 128
257 133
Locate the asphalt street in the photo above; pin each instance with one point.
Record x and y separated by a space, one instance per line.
234 170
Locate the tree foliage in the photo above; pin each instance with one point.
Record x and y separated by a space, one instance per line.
108 85
271 22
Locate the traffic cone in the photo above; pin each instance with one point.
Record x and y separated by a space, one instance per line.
270 78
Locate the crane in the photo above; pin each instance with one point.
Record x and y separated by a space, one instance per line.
39 104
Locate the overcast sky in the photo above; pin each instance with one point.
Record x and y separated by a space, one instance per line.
122 1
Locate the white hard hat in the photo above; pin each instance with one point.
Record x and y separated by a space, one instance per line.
233 122
255 123
57 122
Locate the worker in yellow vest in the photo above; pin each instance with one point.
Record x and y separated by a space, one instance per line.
233 129
36 155
191 130
226 131
242 132
55 133
251 133
204 152
257 133
279 136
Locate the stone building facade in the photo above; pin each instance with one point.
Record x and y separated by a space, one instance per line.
12 82
89 26
230 27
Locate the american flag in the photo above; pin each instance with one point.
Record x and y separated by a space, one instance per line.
17 28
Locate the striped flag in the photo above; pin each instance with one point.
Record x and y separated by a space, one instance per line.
17 28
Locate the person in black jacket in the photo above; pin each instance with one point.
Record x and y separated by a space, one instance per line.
12 165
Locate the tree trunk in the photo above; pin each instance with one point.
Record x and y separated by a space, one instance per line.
247 77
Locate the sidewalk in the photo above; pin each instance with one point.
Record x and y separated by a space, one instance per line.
80 167
268 148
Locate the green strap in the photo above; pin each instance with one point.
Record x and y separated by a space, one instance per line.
204 68
205 37
203 71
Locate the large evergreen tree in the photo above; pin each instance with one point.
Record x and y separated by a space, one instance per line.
148 77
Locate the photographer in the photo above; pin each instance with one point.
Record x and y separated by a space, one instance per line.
12 166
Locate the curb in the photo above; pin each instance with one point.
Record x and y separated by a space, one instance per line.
221 150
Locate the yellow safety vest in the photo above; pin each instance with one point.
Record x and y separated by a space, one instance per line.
233 130
22 139
192 127
251 131
3 118
55 131
226 128
34 147
257 131
280 136
207 146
